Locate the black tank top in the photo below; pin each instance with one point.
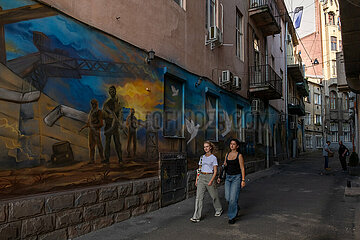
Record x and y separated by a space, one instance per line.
233 166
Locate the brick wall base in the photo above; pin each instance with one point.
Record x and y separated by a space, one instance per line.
69 214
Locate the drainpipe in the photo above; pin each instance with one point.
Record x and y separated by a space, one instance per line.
286 90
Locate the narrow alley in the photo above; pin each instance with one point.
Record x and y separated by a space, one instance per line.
288 201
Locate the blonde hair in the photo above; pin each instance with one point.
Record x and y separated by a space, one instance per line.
212 146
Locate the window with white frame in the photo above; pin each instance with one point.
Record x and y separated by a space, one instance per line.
210 13
346 131
334 132
317 99
319 140
239 35
317 119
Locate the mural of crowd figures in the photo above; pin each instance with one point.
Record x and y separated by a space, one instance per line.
79 107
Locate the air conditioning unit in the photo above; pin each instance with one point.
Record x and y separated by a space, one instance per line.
255 105
236 82
226 77
292 125
215 34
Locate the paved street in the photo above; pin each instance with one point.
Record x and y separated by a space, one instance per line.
288 201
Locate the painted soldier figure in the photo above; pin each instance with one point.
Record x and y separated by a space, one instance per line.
94 123
131 124
113 121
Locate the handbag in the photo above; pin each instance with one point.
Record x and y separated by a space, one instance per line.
330 154
198 171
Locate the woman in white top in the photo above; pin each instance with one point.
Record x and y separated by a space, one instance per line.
205 181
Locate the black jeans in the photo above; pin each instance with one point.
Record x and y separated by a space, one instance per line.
343 162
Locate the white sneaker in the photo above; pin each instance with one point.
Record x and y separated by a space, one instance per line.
194 220
218 214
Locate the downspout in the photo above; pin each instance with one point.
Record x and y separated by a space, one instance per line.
286 90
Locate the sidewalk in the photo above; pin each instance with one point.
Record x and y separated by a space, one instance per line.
288 201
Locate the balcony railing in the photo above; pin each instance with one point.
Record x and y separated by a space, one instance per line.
266 15
265 82
296 68
296 106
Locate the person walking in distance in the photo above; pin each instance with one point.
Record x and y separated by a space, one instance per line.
343 152
205 181
94 123
131 124
113 121
235 178
326 153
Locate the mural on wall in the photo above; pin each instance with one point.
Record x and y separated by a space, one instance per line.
79 107
75 104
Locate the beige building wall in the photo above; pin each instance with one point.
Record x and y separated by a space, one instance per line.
330 29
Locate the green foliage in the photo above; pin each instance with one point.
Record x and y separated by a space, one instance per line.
354 159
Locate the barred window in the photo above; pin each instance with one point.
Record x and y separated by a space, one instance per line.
334 128
346 131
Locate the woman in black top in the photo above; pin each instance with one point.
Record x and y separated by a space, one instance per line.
235 178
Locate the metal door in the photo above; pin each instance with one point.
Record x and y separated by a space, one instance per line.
173 177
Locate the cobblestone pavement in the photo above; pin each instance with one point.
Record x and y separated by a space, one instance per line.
296 200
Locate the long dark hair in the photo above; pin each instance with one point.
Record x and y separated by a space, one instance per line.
237 143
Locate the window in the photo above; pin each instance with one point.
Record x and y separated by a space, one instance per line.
340 45
333 100
210 13
333 43
239 35
256 53
345 101
180 2
317 99
212 117
308 141
333 67
334 132
272 62
346 131
324 18
308 119
239 125
317 119
173 107
331 18
319 141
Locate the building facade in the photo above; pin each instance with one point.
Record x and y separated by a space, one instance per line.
107 110
338 125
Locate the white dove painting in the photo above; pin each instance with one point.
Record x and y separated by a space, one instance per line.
175 92
228 124
192 129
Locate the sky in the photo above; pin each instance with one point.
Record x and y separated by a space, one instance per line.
307 25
